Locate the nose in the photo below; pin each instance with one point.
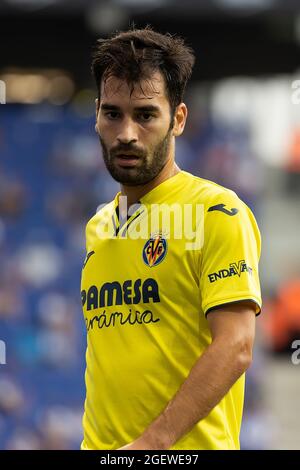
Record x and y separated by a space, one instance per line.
128 132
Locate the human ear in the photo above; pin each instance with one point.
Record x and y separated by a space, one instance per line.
97 112
97 103
180 119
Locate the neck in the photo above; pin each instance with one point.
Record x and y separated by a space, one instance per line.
134 193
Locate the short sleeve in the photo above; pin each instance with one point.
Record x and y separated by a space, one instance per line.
230 254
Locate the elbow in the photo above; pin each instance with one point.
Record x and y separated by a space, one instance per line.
243 355
244 362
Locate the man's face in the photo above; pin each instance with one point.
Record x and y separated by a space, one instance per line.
134 129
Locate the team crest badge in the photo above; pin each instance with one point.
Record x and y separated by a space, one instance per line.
155 250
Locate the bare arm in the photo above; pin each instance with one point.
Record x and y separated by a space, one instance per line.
213 374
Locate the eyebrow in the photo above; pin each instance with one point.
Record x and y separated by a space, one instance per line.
145 109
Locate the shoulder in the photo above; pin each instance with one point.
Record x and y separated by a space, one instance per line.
225 214
211 194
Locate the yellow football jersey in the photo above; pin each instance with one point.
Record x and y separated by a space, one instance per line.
148 282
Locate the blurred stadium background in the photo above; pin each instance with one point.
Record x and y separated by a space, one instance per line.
243 132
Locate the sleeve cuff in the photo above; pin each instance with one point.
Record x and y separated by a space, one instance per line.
220 305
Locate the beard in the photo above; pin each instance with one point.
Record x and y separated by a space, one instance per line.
148 166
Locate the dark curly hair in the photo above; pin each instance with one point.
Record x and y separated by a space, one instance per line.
134 55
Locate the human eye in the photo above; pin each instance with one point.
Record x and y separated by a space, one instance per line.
112 115
145 116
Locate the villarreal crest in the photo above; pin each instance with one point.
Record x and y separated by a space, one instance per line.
155 250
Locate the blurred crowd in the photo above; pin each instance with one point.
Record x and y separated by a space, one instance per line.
52 179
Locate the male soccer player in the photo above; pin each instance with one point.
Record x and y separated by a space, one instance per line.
169 302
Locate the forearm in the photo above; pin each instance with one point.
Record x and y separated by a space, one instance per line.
209 380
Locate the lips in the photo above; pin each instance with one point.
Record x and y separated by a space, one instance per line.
125 160
127 156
